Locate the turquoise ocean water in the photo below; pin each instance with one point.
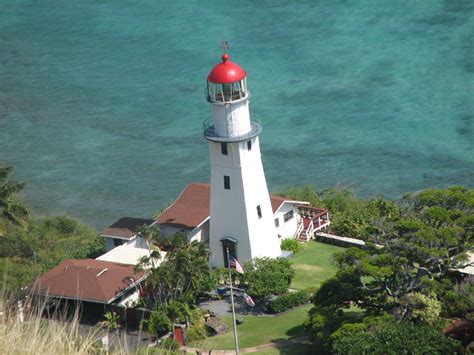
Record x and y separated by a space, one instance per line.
101 102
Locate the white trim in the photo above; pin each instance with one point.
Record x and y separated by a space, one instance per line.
292 202
117 237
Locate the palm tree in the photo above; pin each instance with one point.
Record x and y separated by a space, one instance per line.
11 209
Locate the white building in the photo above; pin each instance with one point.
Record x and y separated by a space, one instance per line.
190 214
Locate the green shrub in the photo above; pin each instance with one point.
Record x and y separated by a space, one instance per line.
291 245
288 301
158 323
265 276
196 332
178 312
393 338
169 344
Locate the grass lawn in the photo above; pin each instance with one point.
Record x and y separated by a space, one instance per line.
313 264
257 330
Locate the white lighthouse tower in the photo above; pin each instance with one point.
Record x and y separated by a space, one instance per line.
241 212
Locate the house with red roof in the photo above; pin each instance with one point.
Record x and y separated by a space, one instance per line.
190 214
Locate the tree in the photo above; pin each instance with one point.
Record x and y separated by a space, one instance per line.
431 237
264 276
11 209
181 276
25 254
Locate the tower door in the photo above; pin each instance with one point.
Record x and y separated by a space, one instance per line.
230 243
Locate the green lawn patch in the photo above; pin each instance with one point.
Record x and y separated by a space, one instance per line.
257 330
313 264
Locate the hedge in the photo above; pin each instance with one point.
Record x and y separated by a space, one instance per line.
288 301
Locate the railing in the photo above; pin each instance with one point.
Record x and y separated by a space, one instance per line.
310 231
299 229
233 135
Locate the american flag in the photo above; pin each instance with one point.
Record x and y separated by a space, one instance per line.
235 264
249 300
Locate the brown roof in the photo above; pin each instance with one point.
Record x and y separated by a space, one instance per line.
87 280
126 227
192 207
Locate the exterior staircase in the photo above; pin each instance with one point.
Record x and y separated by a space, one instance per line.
310 221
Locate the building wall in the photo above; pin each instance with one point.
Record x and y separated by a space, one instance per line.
287 229
234 211
200 234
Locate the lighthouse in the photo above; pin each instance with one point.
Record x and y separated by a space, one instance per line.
241 216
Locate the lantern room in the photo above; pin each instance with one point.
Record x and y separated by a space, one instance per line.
227 82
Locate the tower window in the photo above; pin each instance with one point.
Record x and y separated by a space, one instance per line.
259 211
249 145
226 182
277 222
224 150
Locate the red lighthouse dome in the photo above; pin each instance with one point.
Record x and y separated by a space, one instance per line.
226 72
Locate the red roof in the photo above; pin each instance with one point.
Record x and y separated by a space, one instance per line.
192 207
125 227
226 72
87 280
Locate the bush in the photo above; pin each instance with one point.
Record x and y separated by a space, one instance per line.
394 338
265 276
196 332
291 245
169 344
287 301
158 323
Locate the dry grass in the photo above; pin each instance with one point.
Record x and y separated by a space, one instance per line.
37 335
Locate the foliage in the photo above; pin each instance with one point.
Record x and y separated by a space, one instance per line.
421 308
11 209
456 299
197 330
220 276
291 245
111 320
182 276
26 253
169 344
158 323
288 301
350 216
410 276
321 323
419 250
393 338
265 276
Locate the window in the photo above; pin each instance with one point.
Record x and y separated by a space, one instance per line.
226 182
117 242
249 144
288 215
259 211
277 222
224 149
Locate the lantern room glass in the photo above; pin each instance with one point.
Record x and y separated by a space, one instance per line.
226 92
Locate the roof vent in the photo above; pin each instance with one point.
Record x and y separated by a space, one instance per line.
101 272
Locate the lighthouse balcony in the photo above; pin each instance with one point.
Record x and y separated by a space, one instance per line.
211 134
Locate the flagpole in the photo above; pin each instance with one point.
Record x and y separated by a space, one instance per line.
236 341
